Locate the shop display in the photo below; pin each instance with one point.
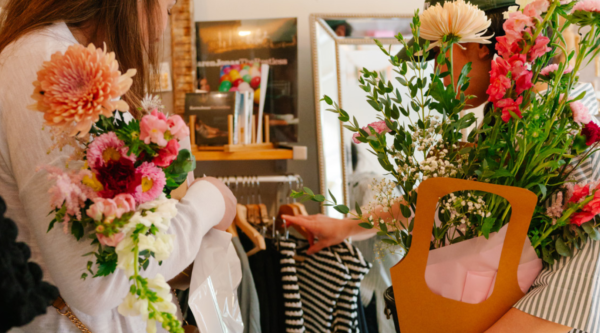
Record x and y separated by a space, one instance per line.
212 111
118 198
258 56
530 139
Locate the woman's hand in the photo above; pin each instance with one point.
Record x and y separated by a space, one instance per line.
230 202
327 230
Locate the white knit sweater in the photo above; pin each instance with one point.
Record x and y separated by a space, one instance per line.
23 147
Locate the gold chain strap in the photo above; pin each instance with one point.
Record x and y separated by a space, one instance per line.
63 309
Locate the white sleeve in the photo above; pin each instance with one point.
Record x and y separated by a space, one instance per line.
201 209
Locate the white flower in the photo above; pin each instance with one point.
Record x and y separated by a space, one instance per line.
160 286
163 246
132 306
146 243
151 326
126 258
151 103
458 19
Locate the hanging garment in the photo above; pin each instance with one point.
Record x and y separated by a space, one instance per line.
329 287
247 295
346 312
266 270
294 317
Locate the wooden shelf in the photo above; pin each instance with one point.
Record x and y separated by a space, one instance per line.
249 155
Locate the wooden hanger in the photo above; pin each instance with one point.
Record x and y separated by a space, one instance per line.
241 222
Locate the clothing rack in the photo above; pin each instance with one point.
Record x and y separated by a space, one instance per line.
261 179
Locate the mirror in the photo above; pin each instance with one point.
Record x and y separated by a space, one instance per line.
342 46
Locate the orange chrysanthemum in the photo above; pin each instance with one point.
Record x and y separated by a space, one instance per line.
73 89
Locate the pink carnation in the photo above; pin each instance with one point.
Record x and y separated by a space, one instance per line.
152 181
177 127
587 6
540 48
105 148
515 25
167 155
113 240
153 128
581 113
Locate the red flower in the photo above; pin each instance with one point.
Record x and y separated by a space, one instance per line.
581 218
505 48
594 205
498 80
580 192
540 48
517 65
509 105
167 155
523 81
116 178
592 132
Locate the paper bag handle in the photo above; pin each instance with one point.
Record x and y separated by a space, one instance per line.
419 309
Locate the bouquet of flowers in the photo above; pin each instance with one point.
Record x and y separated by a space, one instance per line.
526 139
115 190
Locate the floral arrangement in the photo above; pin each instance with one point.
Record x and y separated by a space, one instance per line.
529 139
115 188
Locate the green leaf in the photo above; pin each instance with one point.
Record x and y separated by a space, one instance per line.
319 198
342 209
308 191
488 224
77 229
543 189
389 241
327 100
84 276
589 229
562 248
405 211
365 225
51 225
357 208
332 197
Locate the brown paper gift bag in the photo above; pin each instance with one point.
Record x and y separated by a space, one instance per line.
422 311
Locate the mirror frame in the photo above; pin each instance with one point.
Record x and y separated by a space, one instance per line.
320 19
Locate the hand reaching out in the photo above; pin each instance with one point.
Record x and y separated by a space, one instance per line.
327 230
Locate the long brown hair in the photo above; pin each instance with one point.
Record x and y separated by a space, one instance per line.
115 22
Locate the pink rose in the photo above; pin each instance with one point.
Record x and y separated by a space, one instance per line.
96 210
102 207
153 128
579 192
505 48
515 25
167 155
125 204
540 48
378 126
536 8
581 218
177 127
587 6
581 115
113 240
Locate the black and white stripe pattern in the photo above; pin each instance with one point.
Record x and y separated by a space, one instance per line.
329 285
294 317
346 312
568 292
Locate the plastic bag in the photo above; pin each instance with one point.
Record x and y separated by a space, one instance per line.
213 290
